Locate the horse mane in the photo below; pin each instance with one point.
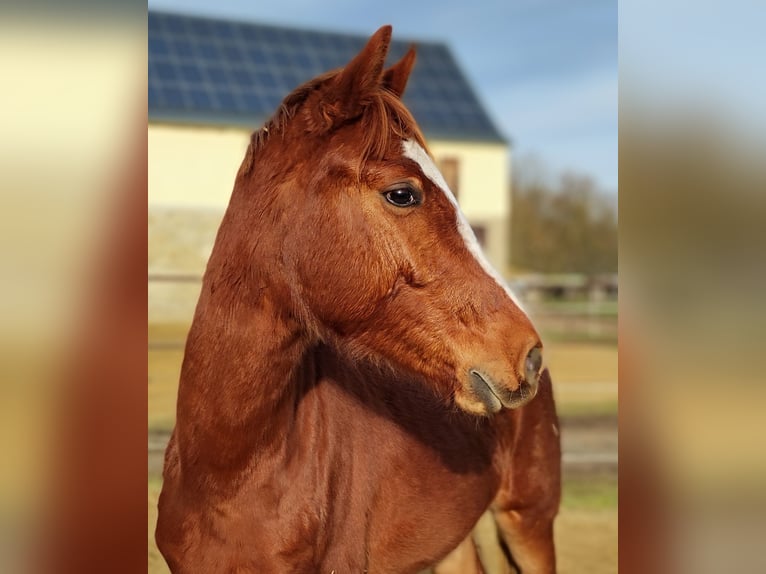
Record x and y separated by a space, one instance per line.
384 117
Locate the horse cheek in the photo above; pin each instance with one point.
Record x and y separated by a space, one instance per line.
342 284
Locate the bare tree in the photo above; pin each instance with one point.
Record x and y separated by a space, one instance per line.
564 226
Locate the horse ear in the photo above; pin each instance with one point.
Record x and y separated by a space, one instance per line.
395 78
360 78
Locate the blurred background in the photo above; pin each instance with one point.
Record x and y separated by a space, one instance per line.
520 111
73 258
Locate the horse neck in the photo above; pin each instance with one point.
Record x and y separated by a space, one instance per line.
245 361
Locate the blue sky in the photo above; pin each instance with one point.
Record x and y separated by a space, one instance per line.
704 58
545 69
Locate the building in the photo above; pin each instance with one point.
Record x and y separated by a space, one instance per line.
213 82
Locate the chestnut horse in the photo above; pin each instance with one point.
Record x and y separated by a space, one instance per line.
351 396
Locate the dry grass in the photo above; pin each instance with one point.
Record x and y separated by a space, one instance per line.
581 362
586 541
164 371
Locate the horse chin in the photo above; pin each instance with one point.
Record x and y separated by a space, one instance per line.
484 396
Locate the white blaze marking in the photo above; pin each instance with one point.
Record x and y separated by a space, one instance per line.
416 153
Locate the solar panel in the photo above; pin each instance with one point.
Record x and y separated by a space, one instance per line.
201 68
153 96
232 53
190 75
257 57
242 77
173 98
163 71
208 51
181 48
158 45
217 75
227 100
174 25
201 27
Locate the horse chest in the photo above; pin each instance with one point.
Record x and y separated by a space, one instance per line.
388 494
425 506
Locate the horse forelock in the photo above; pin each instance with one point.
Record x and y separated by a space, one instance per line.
384 120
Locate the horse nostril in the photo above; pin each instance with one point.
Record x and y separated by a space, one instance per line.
533 364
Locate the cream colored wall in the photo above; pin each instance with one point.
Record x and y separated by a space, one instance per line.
483 176
194 167
484 192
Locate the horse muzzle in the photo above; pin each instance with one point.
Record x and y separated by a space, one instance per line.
488 394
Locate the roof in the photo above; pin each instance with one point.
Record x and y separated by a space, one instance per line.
212 71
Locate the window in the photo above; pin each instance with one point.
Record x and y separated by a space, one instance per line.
481 234
449 167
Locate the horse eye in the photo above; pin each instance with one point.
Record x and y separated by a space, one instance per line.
402 197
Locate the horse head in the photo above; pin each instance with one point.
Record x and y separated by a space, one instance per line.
366 245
